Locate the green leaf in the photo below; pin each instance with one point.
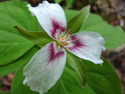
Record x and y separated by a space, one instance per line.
39 38
5 92
13 66
103 79
12 47
17 85
58 1
77 64
114 36
12 44
99 80
76 22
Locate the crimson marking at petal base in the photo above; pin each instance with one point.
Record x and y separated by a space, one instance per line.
69 32
76 43
56 26
53 55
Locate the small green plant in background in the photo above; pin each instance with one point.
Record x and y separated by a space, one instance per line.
18 46
58 1
92 1
69 3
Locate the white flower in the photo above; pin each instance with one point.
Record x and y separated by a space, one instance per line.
47 65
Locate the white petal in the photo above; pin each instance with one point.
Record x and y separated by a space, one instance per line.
45 68
87 45
51 17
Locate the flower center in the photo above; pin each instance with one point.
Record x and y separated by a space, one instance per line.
62 42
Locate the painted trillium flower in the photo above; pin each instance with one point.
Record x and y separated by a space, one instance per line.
47 65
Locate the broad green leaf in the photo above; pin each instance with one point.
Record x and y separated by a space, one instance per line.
14 13
114 36
13 66
77 64
39 38
7 92
99 80
58 1
102 79
17 85
76 22
12 44
12 47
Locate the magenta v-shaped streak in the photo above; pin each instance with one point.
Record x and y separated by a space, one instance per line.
54 53
77 43
57 27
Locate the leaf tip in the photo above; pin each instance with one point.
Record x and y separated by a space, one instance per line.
88 7
83 86
18 28
15 26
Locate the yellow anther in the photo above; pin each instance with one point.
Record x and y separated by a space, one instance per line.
62 42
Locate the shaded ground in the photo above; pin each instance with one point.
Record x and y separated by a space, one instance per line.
113 11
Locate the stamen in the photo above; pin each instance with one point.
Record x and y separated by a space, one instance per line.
68 42
68 33
61 41
64 40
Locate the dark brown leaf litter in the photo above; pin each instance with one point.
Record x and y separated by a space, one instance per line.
5 82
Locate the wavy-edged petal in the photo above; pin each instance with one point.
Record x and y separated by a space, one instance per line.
51 17
45 68
87 45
